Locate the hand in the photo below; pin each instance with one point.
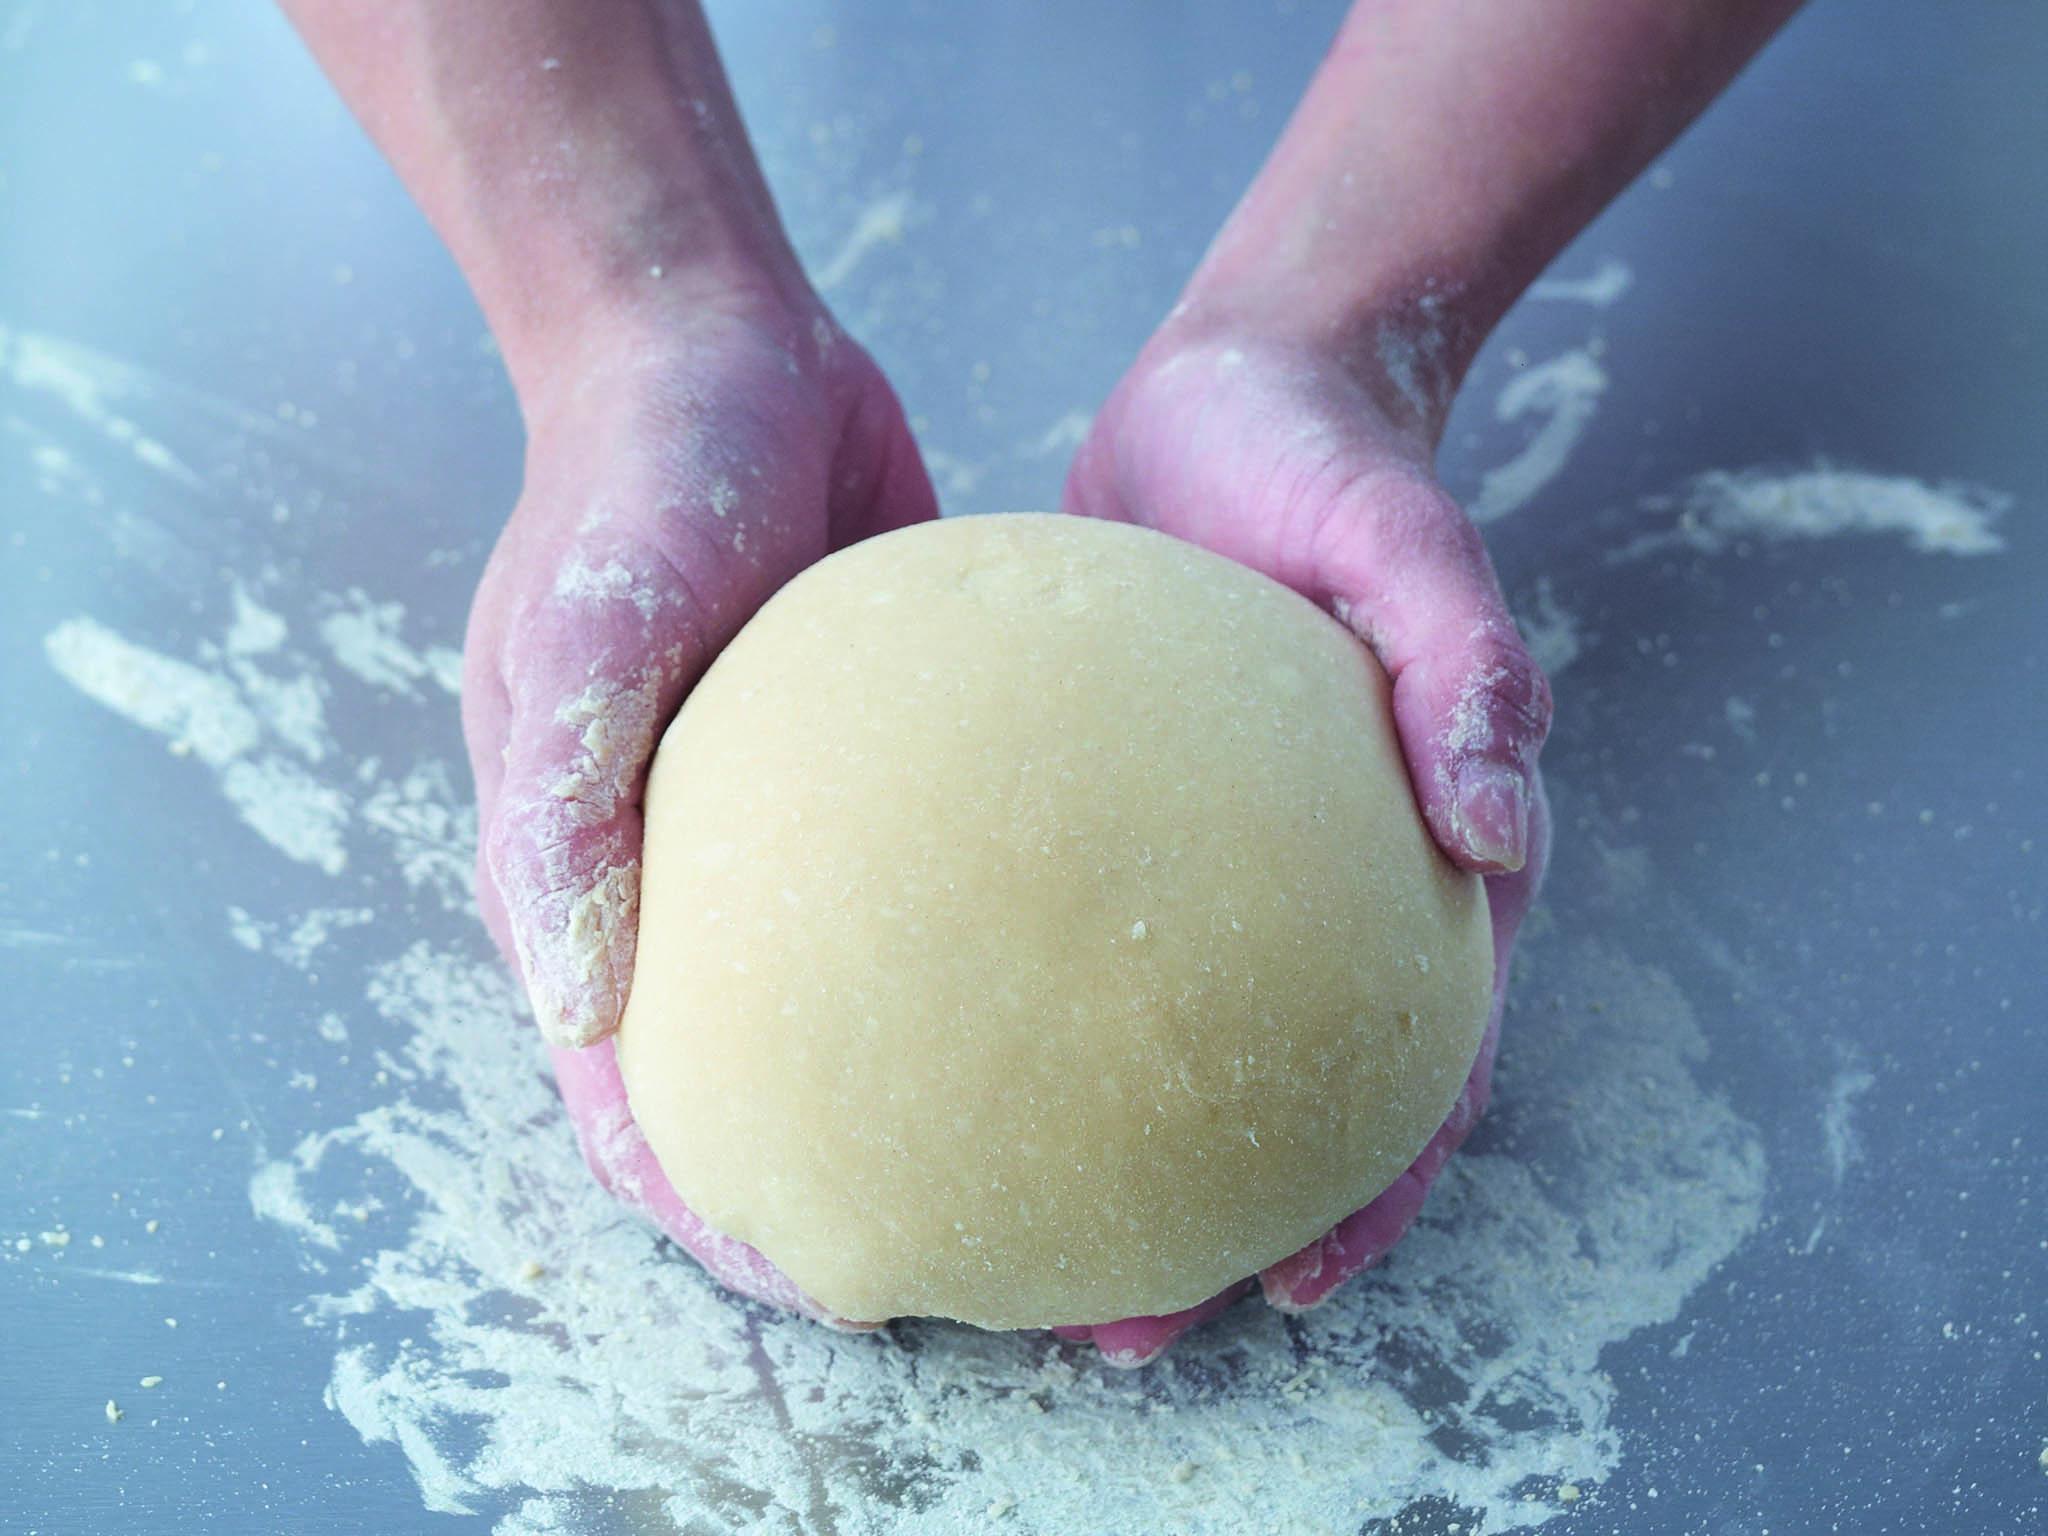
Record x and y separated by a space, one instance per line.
1279 455
680 469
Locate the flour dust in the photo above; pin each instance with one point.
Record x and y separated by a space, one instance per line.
1722 508
1563 394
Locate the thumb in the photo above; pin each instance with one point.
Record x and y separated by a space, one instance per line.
562 844
1406 570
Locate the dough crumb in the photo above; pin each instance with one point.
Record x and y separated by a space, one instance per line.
1567 1493
531 1270
151 1381
1138 929
114 1414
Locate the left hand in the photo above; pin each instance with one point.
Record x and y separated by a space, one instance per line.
1282 457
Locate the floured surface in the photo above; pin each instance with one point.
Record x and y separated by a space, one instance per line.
502 1327
1822 732
481 1298
527 1298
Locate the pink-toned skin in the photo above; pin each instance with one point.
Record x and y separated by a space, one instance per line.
699 430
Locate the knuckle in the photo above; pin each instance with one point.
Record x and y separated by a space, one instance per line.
1517 691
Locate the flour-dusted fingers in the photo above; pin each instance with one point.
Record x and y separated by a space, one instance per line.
1134 1341
1405 568
561 840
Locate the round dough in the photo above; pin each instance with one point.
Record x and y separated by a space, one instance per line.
1037 927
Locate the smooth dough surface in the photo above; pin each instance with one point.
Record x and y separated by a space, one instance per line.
1037 927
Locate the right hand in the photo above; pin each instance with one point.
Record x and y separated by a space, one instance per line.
680 469
1291 459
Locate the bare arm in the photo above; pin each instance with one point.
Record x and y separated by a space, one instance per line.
1444 153
566 152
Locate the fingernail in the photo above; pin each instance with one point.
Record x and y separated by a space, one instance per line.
1492 810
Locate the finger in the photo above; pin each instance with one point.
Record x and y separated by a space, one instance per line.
1134 1341
592 672
563 852
562 849
1404 567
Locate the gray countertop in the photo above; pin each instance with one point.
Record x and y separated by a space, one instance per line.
1756 1236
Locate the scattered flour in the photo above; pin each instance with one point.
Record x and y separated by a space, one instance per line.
89 385
368 639
256 630
252 709
1063 436
275 1195
1565 392
1608 283
1741 717
297 814
297 943
205 715
200 713
951 474
429 828
881 222
249 931
1837 1126
1551 633
1723 506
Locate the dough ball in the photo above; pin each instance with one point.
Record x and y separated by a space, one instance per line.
1037 927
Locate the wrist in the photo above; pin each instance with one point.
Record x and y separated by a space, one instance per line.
558 316
644 335
578 159
1406 342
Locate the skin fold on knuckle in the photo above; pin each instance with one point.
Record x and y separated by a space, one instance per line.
1495 703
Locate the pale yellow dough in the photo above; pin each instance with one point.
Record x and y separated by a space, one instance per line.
1037 927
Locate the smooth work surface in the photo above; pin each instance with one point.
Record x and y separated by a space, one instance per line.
292 1233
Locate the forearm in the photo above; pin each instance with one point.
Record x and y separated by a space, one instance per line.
574 154
1444 153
